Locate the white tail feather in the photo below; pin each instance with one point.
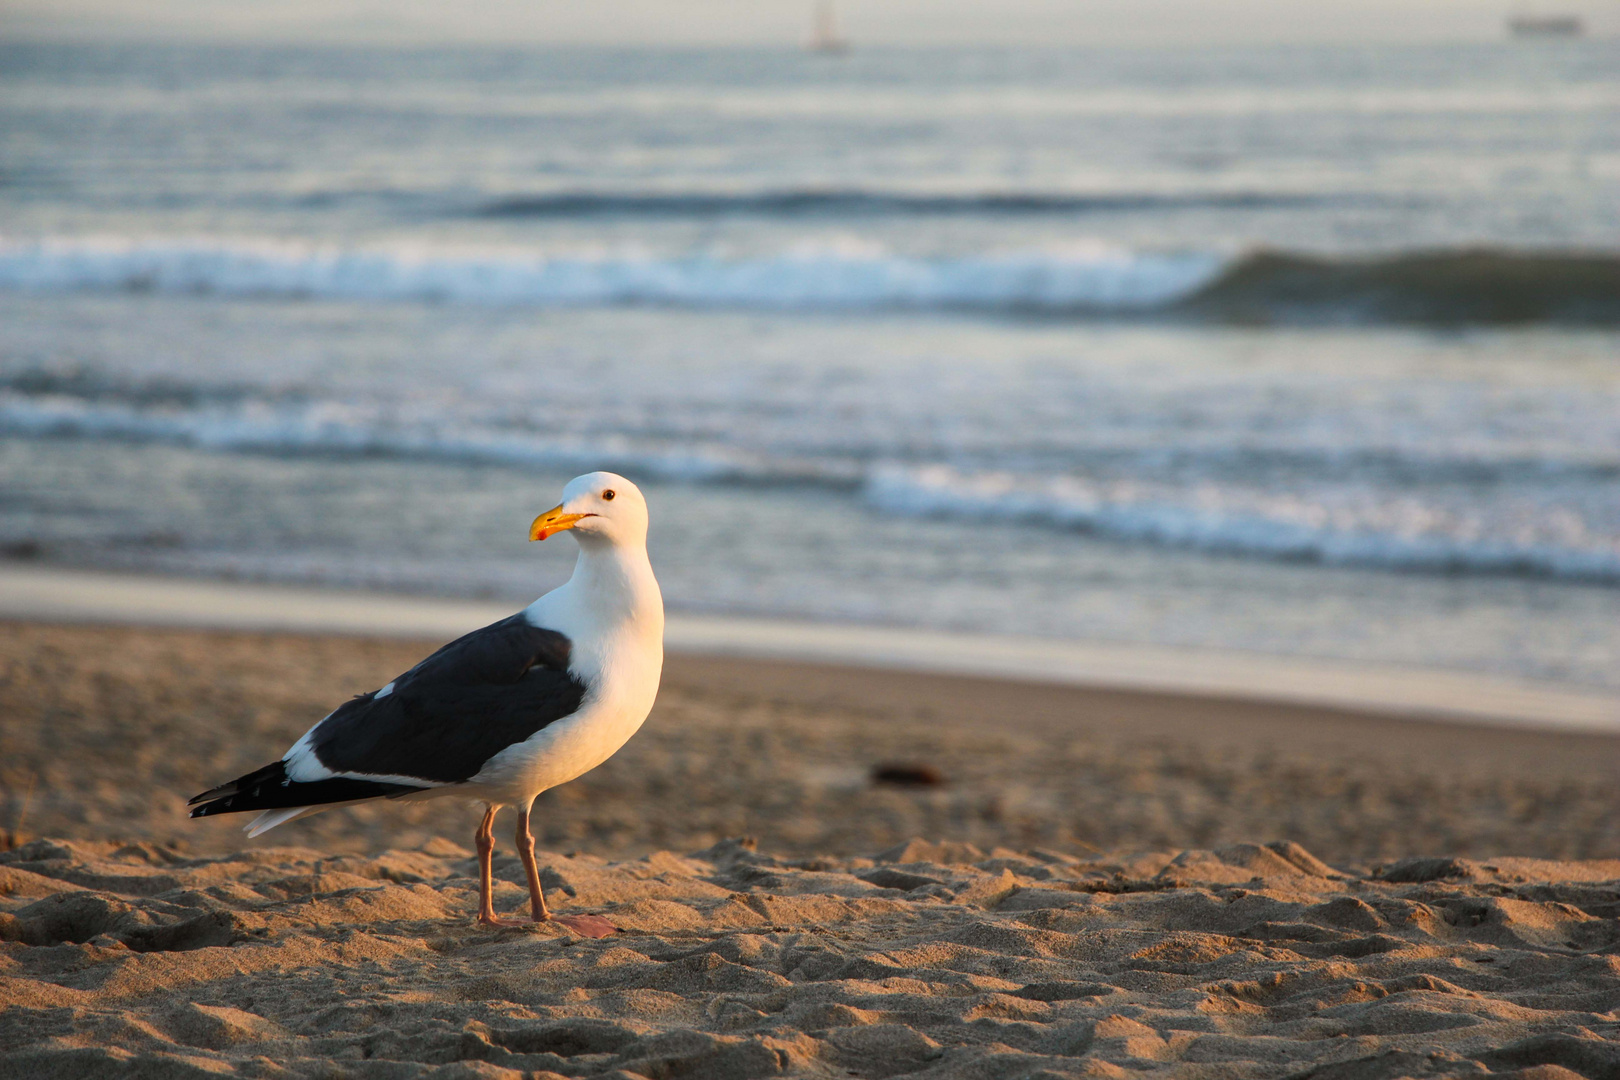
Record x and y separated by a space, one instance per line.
271 818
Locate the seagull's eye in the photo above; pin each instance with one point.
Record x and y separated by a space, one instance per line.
607 496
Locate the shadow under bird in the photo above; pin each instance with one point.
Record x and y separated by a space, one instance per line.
502 714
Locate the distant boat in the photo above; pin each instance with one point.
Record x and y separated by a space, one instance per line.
824 37
1545 26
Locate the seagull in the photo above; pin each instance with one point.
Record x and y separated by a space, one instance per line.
502 714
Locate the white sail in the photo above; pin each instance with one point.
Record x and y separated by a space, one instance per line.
824 36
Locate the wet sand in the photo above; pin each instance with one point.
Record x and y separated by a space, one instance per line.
1099 883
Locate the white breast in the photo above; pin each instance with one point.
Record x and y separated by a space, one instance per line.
618 653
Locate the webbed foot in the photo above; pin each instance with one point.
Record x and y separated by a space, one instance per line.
591 926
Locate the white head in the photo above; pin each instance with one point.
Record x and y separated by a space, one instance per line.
600 508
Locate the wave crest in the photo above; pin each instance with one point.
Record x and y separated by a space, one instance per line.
1434 288
1229 510
1387 534
293 427
1090 278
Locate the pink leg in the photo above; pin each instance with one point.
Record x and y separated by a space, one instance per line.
486 884
592 926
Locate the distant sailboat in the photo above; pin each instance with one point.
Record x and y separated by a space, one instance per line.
1545 26
824 37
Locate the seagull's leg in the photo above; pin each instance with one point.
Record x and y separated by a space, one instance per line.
486 885
593 926
525 848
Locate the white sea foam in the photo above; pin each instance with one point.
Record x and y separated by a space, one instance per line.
1337 522
1321 526
332 427
1073 277
1414 454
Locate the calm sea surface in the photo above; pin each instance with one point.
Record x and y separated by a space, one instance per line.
1297 350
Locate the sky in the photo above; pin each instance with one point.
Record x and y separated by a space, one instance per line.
787 22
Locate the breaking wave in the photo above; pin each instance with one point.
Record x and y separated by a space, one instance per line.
1275 505
1444 288
294 427
1387 533
1328 523
1436 288
809 279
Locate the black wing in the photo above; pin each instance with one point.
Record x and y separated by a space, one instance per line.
444 719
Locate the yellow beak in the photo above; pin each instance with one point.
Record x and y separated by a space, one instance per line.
553 521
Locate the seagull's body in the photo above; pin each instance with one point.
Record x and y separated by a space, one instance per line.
505 712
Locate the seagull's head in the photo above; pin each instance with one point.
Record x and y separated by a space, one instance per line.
599 507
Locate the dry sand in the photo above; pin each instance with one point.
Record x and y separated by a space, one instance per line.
1085 905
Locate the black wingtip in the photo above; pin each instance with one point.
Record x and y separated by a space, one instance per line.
276 772
215 806
270 789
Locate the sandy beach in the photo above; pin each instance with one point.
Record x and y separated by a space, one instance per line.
1092 883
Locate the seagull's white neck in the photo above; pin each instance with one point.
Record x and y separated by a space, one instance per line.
618 578
612 592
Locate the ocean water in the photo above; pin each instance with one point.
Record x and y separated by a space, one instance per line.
1298 350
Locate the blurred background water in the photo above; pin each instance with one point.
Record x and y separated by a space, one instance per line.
1300 349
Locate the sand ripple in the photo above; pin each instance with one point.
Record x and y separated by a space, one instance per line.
929 959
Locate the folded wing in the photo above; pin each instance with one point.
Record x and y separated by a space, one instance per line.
434 726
